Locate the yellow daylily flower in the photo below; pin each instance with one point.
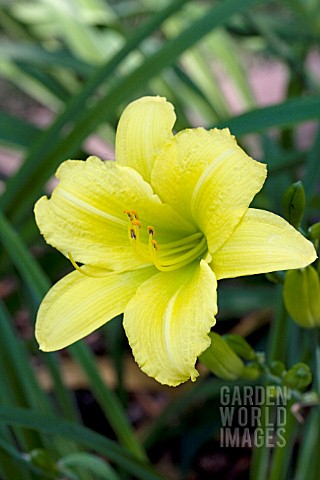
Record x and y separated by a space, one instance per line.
154 231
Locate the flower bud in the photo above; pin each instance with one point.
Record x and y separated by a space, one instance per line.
240 346
277 368
314 231
294 203
221 360
301 294
298 377
251 371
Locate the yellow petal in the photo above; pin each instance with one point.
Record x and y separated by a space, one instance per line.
85 215
145 125
168 320
262 242
205 176
77 305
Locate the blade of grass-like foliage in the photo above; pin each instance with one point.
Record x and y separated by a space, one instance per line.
312 174
32 176
39 284
288 113
260 456
282 456
9 463
26 467
34 54
197 67
20 371
10 394
82 435
196 393
17 132
91 463
223 47
310 440
22 381
29 85
105 397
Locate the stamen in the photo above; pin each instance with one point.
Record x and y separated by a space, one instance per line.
130 216
132 234
183 241
136 223
135 213
155 245
191 254
165 263
81 270
107 274
172 255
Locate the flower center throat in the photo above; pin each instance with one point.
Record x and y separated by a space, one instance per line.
168 256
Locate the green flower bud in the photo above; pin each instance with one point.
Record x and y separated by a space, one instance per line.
221 360
298 377
240 346
314 231
277 368
251 371
301 294
41 458
294 203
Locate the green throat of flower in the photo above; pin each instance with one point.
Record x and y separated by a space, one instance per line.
168 256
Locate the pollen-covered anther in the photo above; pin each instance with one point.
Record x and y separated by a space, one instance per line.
150 230
136 223
130 215
135 214
155 245
132 234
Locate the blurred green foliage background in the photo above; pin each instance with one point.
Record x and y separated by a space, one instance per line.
67 70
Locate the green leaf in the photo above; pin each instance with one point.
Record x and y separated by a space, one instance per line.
17 132
82 435
288 113
89 462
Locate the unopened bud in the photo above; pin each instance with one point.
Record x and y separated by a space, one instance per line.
251 371
221 360
240 346
294 203
298 377
314 231
301 294
277 368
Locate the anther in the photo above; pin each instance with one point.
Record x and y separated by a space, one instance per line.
136 223
127 212
150 230
155 245
135 213
132 234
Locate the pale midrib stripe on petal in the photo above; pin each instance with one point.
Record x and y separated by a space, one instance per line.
166 328
207 172
90 208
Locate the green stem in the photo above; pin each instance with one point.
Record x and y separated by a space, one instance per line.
277 337
282 454
260 456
